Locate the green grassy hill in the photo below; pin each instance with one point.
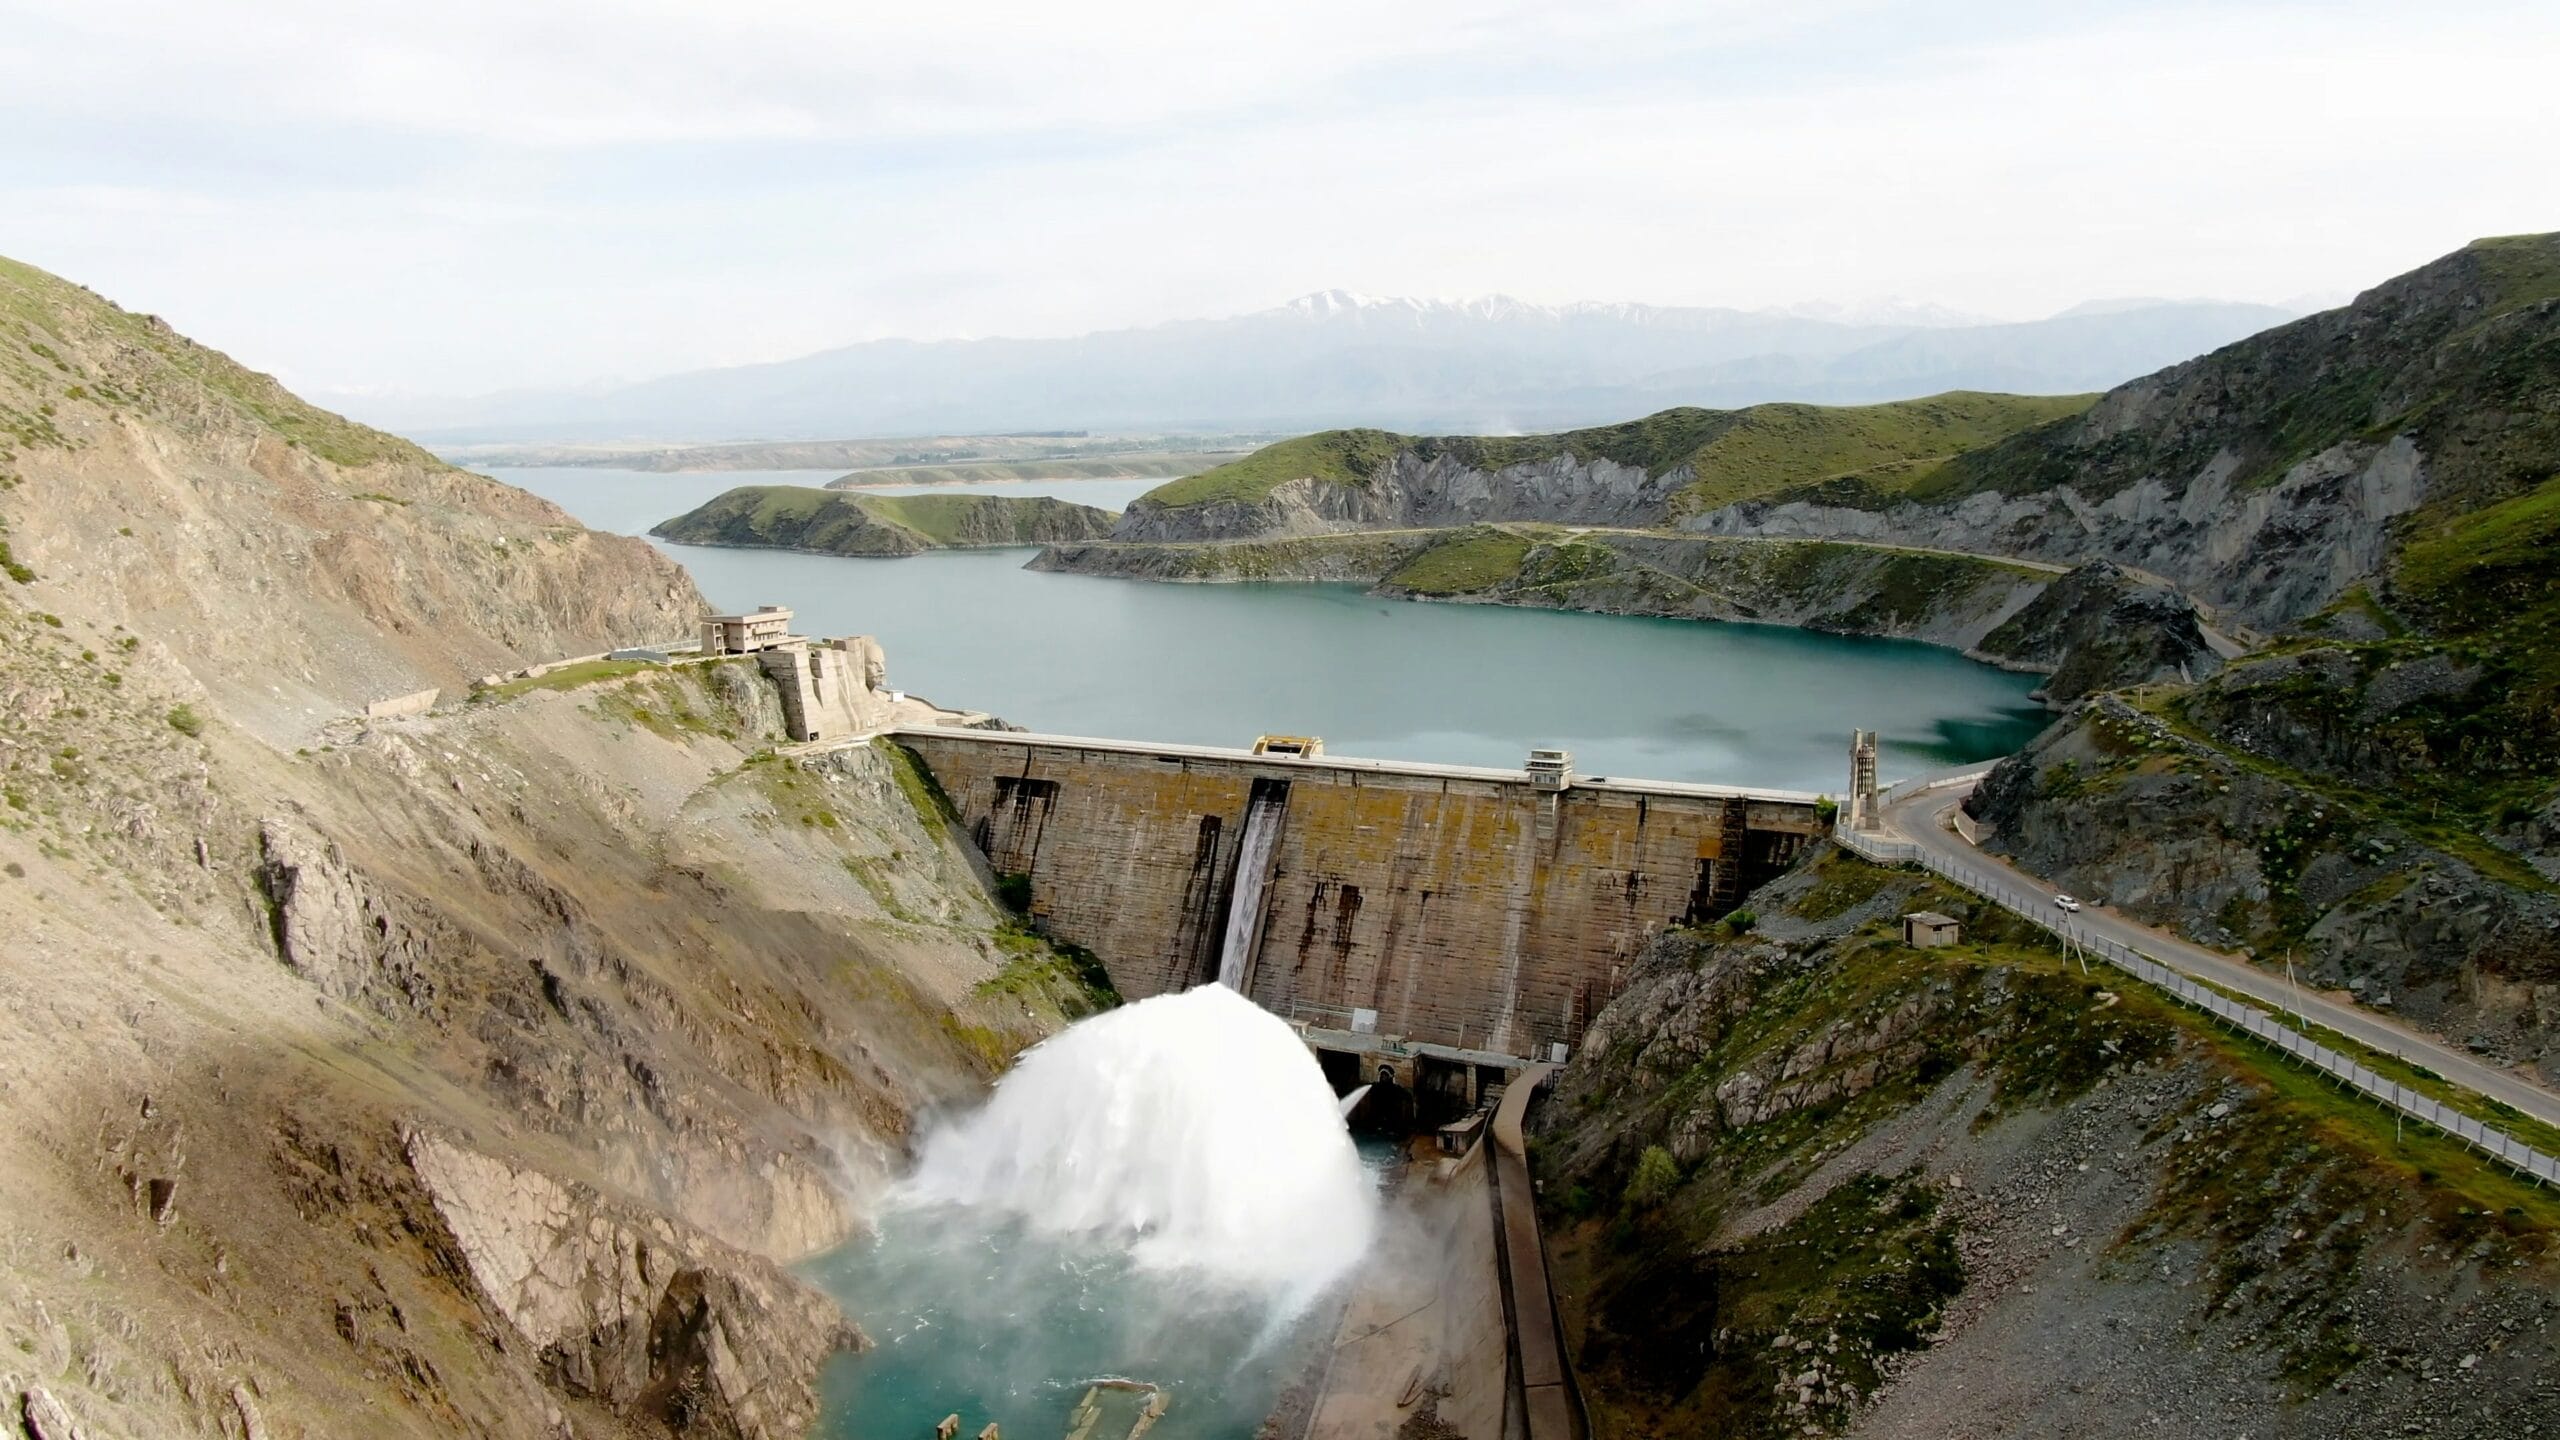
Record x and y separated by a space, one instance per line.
837 522
1737 454
60 342
2462 354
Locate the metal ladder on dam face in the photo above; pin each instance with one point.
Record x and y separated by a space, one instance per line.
1724 882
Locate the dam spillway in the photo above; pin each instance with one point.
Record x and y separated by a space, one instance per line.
1255 854
1457 906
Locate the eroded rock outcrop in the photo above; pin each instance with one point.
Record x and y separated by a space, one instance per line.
337 930
1413 491
2269 553
2103 628
632 1310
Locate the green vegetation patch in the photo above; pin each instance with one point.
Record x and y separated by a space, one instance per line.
1332 457
1886 448
1037 966
567 677
1367 555
916 781
2522 269
1472 560
2474 573
678 703
162 372
960 520
1841 884
1737 454
846 522
1863 1275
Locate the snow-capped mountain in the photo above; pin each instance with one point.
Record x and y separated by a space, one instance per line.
1360 307
1340 357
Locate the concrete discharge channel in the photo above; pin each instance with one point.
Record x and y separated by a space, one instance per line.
1457 1314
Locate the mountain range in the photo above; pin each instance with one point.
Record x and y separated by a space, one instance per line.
1337 357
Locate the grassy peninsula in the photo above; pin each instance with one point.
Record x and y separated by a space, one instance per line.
836 522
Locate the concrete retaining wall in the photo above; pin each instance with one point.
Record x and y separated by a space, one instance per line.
1462 905
417 703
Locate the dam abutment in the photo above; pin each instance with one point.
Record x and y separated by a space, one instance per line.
1461 907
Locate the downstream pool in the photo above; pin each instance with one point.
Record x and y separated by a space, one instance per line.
1462 684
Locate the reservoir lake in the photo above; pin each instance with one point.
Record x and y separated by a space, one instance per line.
979 1313
1221 664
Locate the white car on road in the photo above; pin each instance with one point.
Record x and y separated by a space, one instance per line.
2065 902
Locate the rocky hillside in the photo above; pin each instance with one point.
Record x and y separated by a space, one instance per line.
2377 793
2377 796
2272 475
1643 473
471 1073
297 564
1803 1179
836 522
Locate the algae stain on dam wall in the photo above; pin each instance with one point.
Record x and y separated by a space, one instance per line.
1467 907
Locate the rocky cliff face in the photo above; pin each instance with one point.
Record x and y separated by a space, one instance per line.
2269 555
2100 628
1635 474
1805 1179
1847 589
1340 559
2266 477
1416 492
2091 628
2371 795
2368 892
466 1073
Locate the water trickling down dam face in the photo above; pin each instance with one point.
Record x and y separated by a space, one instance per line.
1254 856
1466 907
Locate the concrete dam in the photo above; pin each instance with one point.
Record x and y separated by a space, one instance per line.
1492 912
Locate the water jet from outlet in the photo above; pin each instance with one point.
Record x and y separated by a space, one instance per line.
1194 1127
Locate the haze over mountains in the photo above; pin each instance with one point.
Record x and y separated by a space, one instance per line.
1340 358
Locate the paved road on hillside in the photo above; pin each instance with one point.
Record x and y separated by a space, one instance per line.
1922 820
2014 562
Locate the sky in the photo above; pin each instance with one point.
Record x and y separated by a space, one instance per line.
478 195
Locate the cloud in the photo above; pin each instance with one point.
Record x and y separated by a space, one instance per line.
475 195
589 74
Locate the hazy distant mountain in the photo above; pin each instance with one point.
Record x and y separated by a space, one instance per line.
1342 358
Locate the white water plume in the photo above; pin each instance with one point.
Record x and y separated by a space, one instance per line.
1196 1125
